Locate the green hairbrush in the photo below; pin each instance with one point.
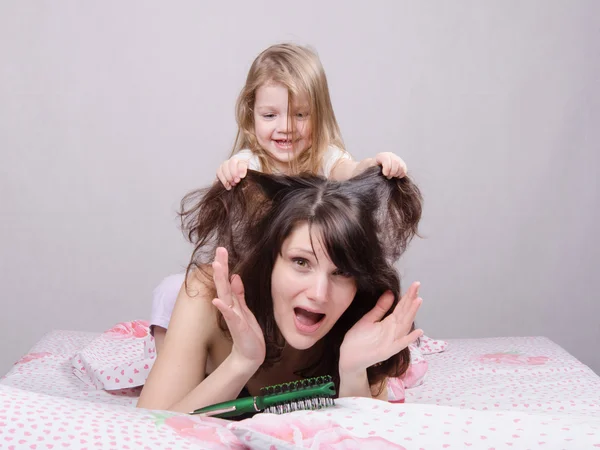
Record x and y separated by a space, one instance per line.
310 393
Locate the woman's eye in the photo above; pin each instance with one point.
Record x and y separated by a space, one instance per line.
301 262
341 273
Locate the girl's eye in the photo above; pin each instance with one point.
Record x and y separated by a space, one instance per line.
302 115
268 116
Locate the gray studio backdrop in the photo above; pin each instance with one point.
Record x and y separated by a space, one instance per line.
111 111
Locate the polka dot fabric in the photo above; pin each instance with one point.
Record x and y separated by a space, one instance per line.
480 394
528 374
360 423
47 369
119 358
29 420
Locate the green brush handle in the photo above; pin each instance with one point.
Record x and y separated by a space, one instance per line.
282 394
231 408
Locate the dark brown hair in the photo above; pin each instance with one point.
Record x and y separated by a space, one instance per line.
365 222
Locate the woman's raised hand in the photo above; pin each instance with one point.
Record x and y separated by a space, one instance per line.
248 339
372 340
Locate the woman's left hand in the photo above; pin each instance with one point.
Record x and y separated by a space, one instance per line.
372 340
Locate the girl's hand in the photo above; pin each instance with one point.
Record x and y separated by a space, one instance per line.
392 165
372 340
248 339
232 171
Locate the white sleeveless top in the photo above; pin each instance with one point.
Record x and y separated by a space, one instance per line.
330 158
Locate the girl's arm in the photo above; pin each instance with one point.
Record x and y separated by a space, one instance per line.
393 166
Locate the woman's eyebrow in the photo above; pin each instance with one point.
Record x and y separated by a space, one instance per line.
307 251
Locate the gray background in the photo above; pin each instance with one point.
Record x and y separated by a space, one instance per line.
111 111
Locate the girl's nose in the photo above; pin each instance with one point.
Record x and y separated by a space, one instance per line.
283 125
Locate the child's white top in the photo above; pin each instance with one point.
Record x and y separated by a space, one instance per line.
330 158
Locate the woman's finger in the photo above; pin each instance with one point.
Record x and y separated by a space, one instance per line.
228 313
236 324
411 314
405 302
403 342
381 307
221 277
237 288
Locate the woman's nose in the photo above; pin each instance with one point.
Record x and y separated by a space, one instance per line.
319 289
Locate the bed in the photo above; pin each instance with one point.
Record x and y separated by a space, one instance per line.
517 392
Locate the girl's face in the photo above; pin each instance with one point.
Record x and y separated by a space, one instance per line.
273 124
309 293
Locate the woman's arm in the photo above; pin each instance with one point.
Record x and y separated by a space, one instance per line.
176 381
159 337
354 384
357 385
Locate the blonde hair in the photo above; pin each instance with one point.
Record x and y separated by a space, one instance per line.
299 69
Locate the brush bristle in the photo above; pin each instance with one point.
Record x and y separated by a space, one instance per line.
295 385
301 404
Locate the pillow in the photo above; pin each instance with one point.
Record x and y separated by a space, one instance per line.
416 373
429 346
119 358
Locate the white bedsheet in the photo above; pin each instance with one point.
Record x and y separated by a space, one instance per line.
529 374
499 393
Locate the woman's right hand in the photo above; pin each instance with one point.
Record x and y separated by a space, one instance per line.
248 339
232 171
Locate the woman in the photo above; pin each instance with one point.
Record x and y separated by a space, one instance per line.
314 291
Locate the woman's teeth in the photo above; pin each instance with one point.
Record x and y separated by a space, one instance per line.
307 317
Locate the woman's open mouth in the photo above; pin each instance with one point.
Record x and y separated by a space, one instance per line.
307 321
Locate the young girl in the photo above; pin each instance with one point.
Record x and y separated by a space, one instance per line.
314 293
286 124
